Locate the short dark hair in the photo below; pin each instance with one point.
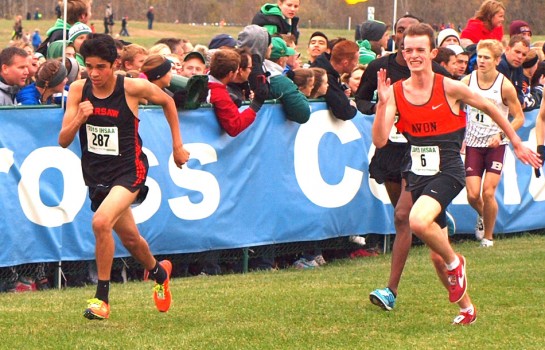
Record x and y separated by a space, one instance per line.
99 45
408 15
224 62
7 54
443 55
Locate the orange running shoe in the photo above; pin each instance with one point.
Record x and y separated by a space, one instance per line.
97 310
161 292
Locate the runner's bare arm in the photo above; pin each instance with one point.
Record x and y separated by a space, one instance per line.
76 114
511 100
461 92
144 89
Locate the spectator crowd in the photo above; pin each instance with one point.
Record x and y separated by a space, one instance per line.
264 63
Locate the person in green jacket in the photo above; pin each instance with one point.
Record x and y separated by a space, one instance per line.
279 18
282 88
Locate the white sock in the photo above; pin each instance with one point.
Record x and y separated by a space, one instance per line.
470 310
453 264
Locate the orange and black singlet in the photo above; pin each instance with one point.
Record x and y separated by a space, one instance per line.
435 135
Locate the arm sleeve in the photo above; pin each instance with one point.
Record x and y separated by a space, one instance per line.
365 95
338 102
229 117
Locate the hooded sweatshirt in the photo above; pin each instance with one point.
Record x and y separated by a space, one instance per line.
282 88
337 101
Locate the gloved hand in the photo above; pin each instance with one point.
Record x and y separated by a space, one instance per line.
258 80
541 151
180 98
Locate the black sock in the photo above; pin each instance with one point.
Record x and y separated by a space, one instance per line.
395 295
103 289
158 274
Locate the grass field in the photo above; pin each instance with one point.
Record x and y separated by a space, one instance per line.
325 308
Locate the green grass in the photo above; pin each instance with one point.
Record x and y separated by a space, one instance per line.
326 308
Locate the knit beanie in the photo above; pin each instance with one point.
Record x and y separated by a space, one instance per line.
77 30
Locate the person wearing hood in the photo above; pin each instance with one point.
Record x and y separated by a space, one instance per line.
343 59
13 74
279 18
282 88
77 11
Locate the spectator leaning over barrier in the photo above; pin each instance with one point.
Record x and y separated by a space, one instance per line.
317 45
511 63
304 79
239 87
13 74
194 64
224 67
320 82
343 59
105 106
294 103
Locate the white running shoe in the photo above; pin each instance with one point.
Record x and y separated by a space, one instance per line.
357 239
479 228
487 243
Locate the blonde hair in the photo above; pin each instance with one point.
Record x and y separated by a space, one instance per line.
130 52
494 46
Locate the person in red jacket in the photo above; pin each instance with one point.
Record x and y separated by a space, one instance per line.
223 70
487 24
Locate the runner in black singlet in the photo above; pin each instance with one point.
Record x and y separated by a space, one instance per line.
104 111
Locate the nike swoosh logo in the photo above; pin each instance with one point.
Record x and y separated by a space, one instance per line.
433 191
435 107
461 279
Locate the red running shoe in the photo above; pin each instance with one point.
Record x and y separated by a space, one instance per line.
465 318
457 281
161 292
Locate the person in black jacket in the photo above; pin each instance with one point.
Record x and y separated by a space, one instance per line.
343 59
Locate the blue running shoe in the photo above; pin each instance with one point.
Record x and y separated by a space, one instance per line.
451 224
383 298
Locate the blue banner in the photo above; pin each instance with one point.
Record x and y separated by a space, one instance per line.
276 182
